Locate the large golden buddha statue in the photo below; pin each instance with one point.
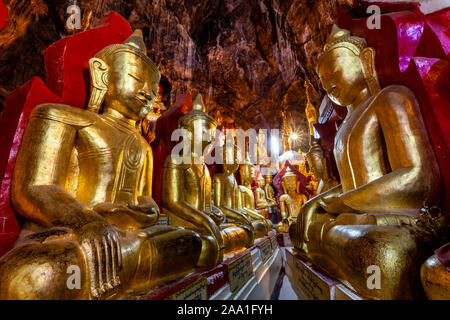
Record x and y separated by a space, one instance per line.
187 192
387 170
246 196
82 185
226 193
290 202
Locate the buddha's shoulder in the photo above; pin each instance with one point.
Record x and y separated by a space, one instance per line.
65 114
175 162
284 197
395 94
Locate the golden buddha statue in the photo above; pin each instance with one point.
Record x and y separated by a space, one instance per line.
82 184
435 279
260 195
270 193
290 202
226 194
387 170
187 192
322 179
246 197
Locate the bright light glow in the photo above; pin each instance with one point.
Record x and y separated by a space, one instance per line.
294 136
275 145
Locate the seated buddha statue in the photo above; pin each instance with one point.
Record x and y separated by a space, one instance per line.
387 170
290 202
270 194
82 185
262 204
246 196
186 191
226 193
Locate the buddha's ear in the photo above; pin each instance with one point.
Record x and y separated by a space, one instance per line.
367 57
284 186
298 187
99 83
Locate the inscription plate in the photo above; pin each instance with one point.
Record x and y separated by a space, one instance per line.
240 271
265 248
195 291
308 283
287 240
274 242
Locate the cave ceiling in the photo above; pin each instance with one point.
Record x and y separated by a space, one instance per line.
249 58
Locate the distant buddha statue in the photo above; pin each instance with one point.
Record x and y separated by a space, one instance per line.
246 196
226 193
187 193
270 194
260 196
82 184
290 202
387 170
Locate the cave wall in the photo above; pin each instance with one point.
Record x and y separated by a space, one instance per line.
249 58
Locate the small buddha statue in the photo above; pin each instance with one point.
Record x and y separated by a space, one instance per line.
246 196
226 194
187 192
387 170
290 202
82 185
270 194
262 205
268 189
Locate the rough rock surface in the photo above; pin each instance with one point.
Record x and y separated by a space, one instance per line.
249 58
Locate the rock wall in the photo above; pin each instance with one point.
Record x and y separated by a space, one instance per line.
249 58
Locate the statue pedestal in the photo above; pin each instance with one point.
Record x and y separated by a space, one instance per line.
250 274
311 283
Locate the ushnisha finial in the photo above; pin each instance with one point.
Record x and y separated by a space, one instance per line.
136 40
198 103
343 38
289 173
198 111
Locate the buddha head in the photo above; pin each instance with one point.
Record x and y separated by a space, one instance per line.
125 79
260 182
247 172
200 126
231 156
290 181
268 179
346 67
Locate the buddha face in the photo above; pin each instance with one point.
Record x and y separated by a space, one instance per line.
131 89
341 74
202 131
290 183
268 179
230 152
260 182
247 172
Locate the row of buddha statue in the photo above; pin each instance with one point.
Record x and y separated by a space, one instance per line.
82 185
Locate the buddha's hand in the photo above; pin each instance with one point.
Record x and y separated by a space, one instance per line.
334 204
217 215
130 216
101 246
